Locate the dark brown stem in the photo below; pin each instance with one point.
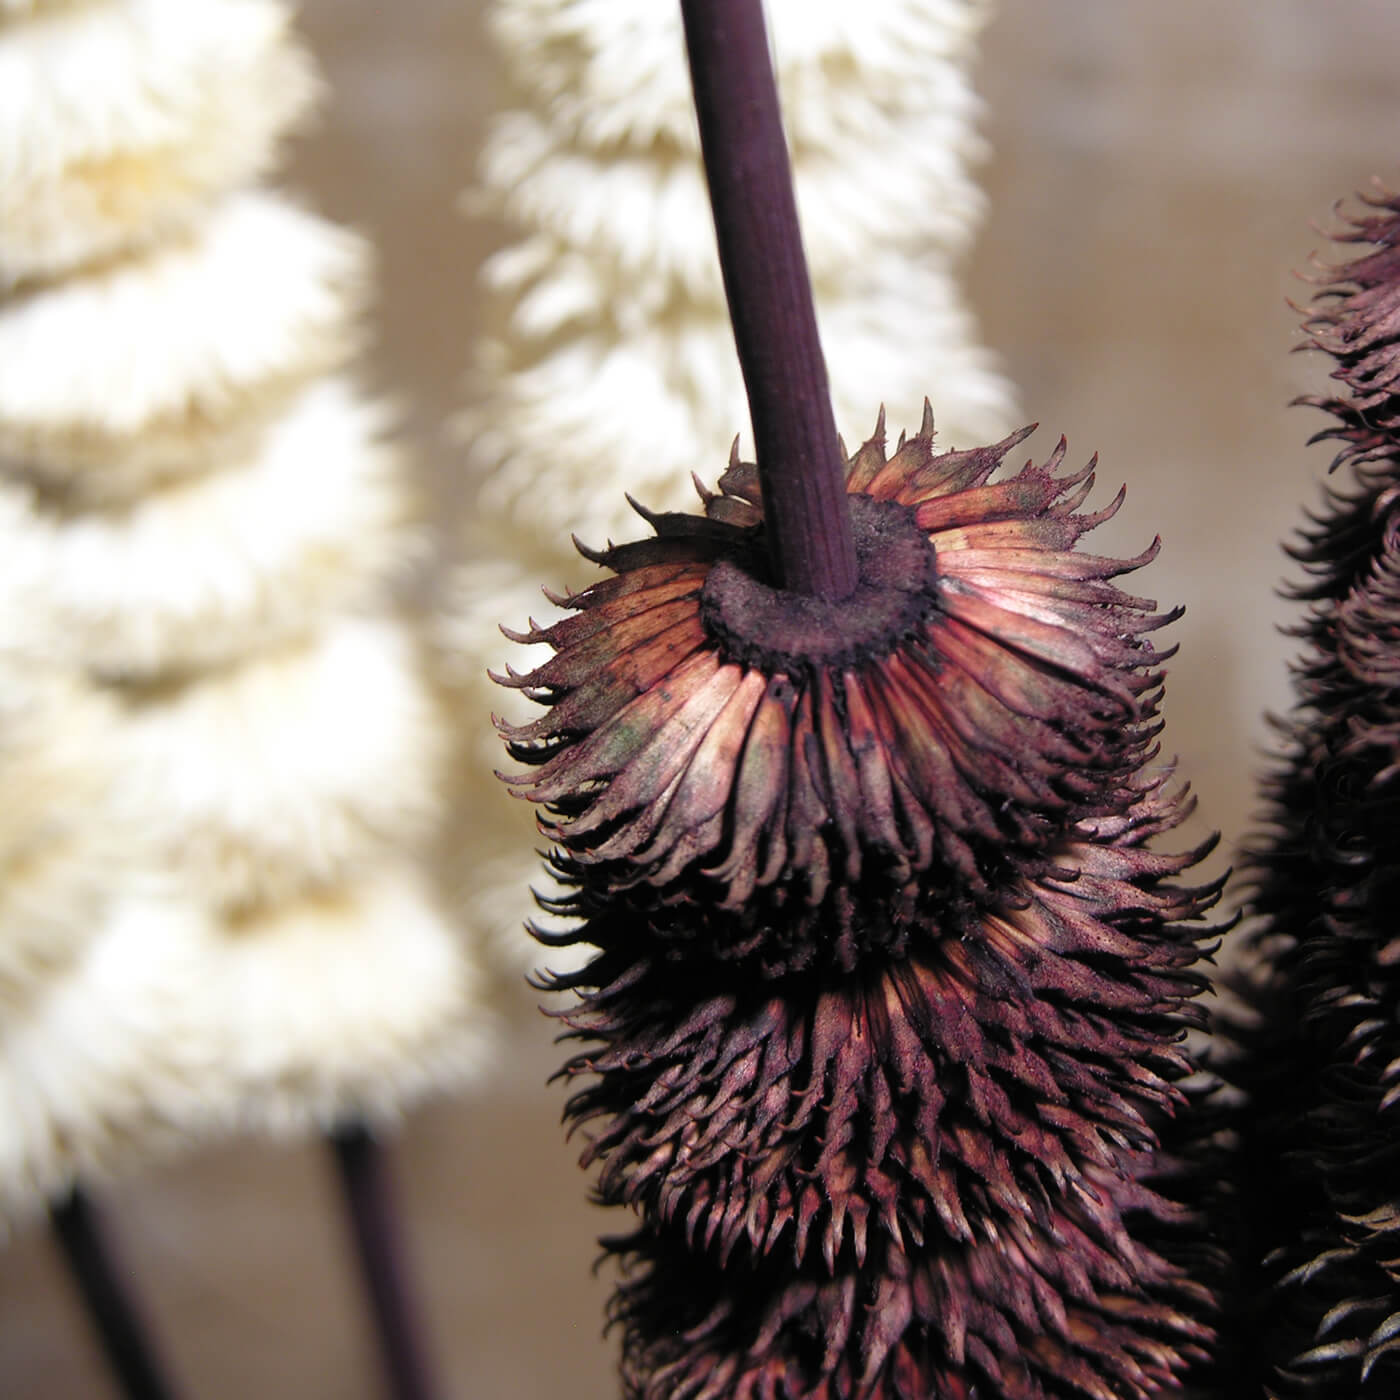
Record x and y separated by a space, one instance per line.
364 1176
770 297
77 1226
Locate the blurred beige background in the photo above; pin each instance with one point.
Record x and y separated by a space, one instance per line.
1157 169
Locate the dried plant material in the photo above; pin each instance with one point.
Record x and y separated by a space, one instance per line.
889 991
671 375
58 856
603 145
121 123
608 363
1323 1060
289 772
108 1066
217 924
612 286
313 523
341 1003
174 362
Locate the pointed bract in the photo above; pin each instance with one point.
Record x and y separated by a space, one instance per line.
1323 1062
889 992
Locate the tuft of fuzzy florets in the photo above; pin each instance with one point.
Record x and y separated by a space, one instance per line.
889 992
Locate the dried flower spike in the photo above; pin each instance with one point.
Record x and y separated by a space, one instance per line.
1325 1065
844 779
889 990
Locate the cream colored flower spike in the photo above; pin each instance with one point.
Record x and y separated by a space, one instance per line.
264 552
174 1022
676 373
173 362
614 281
846 190
289 772
120 121
614 366
110 1065
200 521
57 855
347 1002
831 55
865 89
99 1059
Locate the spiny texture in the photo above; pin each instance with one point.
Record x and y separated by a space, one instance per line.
889 989
1324 1064
608 358
1013 713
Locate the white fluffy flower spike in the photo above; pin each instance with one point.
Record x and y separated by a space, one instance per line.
120 122
219 753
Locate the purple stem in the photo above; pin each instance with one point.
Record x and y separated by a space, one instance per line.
77 1226
369 1198
770 297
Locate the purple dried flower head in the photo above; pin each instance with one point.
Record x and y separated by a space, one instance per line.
985 688
890 992
1354 319
1324 1067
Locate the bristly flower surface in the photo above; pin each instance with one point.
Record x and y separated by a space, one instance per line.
890 992
1324 1068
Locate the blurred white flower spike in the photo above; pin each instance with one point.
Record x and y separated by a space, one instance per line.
611 363
220 756
121 124
168 363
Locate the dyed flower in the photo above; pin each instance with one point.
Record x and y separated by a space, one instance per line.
981 690
1324 1066
889 993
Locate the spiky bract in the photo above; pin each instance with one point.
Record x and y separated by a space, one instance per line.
1324 1067
985 688
890 990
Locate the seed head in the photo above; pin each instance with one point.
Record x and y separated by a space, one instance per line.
890 991
1324 1067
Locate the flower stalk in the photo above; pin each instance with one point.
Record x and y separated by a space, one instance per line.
883 1019
368 1189
107 1295
800 462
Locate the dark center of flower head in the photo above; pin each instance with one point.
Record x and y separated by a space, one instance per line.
775 631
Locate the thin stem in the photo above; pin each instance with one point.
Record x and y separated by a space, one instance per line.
77 1226
770 297
364 1176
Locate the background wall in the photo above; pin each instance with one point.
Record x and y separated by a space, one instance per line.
1157 168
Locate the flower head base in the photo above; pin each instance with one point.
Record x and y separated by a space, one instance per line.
985 688
902 1148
